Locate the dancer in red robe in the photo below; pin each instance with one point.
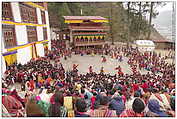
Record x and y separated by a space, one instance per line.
90 69
119 69
75 66
104 59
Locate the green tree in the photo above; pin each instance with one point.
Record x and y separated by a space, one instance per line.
74 8
126 22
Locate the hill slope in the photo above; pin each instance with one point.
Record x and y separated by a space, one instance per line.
115 12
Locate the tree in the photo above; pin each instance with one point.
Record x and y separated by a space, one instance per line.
74 8
126 19
128 33
54 18
153 14
140 18
150 20
111 23
137 25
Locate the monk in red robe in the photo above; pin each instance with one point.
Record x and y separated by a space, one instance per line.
119 69
90 69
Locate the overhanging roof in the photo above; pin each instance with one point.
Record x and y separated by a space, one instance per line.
164 41
81 19
84 18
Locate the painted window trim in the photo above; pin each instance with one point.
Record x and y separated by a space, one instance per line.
4 29
9 53
26 12
10 10
22 23
26 45
34 5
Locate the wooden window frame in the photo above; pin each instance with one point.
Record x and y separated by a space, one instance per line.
7 11
45 33
43 17
32 34
9 36
28 13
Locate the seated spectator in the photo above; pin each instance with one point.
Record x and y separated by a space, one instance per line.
81 107
103 110
172 104
87 100
136 111
154 109
117 104
56 109
32 108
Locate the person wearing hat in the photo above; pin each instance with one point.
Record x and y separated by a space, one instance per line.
117 104
154 109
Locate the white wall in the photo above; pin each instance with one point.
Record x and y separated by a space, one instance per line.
21 34
38 11
40 50
2 60
40 35
24 55
3 65
48 29
16 11
2 47
53 35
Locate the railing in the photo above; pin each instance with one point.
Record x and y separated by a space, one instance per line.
89 43
88 27
86 33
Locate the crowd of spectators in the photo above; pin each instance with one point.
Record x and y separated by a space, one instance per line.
47 86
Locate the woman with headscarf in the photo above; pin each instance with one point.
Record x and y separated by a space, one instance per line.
117 104
154 109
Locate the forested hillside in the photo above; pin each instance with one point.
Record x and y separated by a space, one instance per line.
114 12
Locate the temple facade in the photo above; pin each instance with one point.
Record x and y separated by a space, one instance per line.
87 31
25 32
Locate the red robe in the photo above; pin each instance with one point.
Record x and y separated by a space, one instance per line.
104 59
90 70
